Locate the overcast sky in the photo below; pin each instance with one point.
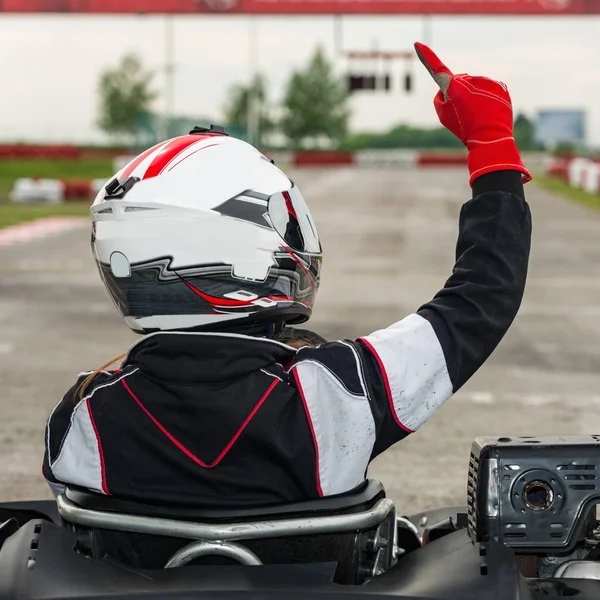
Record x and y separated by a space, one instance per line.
49 65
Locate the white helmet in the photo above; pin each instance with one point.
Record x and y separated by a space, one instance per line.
203 231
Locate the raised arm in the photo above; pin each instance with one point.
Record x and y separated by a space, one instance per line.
428 356
366 395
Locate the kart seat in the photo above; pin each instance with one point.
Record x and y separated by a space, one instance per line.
356 530
356 500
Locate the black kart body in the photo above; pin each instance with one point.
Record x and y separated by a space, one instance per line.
528 532
39 562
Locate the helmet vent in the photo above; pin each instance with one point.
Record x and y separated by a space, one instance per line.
137 208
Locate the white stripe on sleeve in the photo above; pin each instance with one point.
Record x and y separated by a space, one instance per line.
413 368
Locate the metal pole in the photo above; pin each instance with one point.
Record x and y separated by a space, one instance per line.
427 31
253 117
338 34
376 62
169 75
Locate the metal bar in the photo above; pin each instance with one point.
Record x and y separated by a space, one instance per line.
253 108
427 30
338 34
221 532
195 550
169 75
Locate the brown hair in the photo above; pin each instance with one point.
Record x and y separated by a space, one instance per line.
296 343
299 343
85 384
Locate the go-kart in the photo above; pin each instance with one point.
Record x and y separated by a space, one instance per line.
528 531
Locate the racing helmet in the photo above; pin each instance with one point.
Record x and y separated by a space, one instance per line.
204 232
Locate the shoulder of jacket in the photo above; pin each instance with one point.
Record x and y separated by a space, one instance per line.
101 380
338 360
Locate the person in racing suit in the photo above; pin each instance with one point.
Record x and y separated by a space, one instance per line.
209 250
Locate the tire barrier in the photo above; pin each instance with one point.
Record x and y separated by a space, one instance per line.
392 159
38 191
323 158
440 159
578 172
75 189
53 191
379 159
590 178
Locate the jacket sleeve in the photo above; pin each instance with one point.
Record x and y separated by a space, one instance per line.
418 363
363 396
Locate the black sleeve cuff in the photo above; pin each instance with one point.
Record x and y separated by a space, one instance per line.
499 181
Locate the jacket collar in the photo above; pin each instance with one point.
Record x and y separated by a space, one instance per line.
194 357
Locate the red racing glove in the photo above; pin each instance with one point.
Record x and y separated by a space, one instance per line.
478 111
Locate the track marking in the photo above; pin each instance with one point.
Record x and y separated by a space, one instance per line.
38 229
482 398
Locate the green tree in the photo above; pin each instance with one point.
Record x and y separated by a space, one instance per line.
236 107
315 106
126 99
524 132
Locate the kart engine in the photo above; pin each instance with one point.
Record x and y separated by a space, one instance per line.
538 496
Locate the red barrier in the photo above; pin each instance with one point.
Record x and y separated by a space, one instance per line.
436 159
55 152
26 151
559 168
76 189
322 158
309 7
100 153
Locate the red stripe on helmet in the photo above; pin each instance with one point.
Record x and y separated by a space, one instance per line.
229 302
171 151
136 162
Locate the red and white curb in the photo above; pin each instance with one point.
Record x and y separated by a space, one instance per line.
39 229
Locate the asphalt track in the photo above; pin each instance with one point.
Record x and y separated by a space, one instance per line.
389 240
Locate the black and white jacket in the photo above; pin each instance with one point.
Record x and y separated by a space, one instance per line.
201 419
